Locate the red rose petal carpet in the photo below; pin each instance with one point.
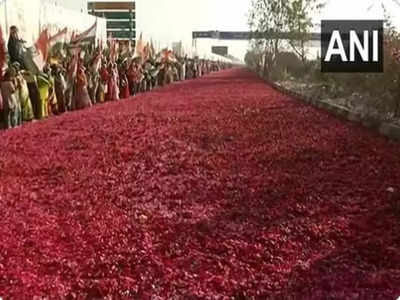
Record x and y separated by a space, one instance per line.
216 188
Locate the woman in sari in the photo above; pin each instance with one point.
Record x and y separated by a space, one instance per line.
10 102
124 94
168 74
52 100
82 98
138 78
131 78
44 87
103 86
110 83
60 87
26 105
15 67
33 92
70 68
115 82
183 70
134 77
95 85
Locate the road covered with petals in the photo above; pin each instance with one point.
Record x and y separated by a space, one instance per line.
208 188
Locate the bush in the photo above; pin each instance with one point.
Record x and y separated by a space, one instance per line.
382 88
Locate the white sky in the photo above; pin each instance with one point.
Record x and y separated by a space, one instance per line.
167 21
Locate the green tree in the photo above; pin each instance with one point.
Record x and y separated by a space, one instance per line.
265 18
299 23
269 19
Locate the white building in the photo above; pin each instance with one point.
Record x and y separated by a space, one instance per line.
32 16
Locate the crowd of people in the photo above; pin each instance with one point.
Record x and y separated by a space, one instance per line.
79 77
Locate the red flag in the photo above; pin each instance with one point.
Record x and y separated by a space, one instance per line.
72 68
42 47
87 35
58 37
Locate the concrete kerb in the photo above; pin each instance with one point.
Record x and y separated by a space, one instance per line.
387 129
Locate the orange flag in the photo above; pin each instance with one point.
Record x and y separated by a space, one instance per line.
168 56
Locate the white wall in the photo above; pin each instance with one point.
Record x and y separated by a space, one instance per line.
78 5
34 15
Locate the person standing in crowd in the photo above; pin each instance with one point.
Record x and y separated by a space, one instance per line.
70 66
15 47
154 75
138 78
189 70
104 78
131 78
124 83
199 69
17 83
28 92
111 83
60 87
33 90
93 77
52 98
90 86
26 105
166 74
82 98
8 92
116 82
44 89
183 69
147 84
